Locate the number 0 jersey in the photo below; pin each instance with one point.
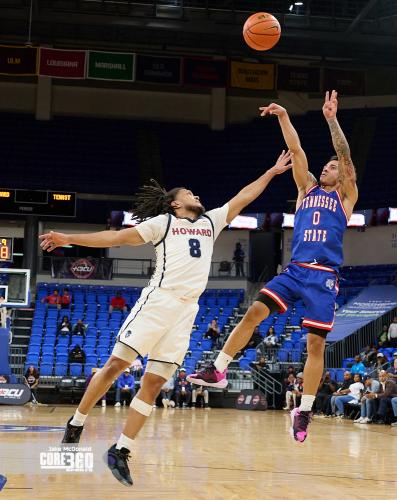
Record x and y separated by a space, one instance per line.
320 223
183 249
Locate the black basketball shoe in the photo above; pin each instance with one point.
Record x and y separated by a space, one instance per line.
117 463
72 432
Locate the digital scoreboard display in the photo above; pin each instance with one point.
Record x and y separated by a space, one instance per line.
45 203
6 245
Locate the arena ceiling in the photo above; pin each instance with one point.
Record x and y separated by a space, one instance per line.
360 31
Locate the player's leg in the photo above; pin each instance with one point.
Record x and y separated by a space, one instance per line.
99 385
274 297
140 409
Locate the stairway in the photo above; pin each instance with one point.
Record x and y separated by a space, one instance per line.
21 327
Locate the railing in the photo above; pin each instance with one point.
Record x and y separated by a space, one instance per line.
351 345
16 360
267 384
139 268
239 379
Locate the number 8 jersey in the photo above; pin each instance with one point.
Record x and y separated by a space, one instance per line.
320 223
183 249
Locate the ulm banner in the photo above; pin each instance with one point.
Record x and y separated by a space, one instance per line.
20 61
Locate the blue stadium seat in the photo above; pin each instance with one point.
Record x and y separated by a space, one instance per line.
103 359
62 358
91 358
46 369
61 369
88 367
75 369
282 355
244 363
47 349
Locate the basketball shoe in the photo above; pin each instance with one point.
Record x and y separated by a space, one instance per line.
209 376
72 432
117 461
300 421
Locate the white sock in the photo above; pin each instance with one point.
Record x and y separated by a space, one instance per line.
78 419
222 361
307 402
124 442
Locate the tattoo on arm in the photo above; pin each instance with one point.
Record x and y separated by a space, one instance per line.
341 146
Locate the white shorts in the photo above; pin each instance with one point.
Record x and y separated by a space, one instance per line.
159 325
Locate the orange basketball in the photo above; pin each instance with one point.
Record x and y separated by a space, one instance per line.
261 31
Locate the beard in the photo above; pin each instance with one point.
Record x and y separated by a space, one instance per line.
197 210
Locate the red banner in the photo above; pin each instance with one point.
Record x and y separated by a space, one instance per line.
62 63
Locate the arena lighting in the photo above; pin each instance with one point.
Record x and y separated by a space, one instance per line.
392 215
288 221
244 222
356 220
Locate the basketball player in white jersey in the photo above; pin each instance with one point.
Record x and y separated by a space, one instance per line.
160 323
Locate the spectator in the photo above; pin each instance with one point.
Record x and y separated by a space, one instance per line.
353 394
137 365
358 367
117 303
326 389
392 333
201 393
213 332
298 390
52 299
32 380
382 337
270 341
255 340
166 393
4 379
79 328
368 355
381 362
65 299
342 391
238 258
183 391
368 403
289 387
258 368
393 370
77 355
388 391
125 388
87 383
65 327
290 370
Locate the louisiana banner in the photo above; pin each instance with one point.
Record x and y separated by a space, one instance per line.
251 75
110 66
20 61
62 63
81 268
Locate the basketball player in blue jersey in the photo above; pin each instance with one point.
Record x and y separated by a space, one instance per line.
322 213
160 323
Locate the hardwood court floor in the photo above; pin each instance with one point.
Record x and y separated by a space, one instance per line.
215 454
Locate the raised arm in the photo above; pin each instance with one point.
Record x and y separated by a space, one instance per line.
253 190
303 178
102 239
347 172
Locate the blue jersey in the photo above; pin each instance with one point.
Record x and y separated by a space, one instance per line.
320 222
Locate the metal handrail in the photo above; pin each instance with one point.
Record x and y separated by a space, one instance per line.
267 384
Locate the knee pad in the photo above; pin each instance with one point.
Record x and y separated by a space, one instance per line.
141 407
163 370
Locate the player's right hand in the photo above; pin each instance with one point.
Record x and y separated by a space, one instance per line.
273 109
52 240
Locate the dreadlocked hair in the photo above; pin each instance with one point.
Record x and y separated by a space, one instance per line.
152 200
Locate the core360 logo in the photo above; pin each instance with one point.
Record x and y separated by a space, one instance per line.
68 459
11 393
82 268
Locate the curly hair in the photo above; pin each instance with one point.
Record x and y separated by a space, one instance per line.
152 200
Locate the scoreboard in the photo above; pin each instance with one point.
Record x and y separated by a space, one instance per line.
6 245
45 203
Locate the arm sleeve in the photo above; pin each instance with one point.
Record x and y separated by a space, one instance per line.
218 217
153 230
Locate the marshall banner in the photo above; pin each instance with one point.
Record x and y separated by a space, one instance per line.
251 75
298 78
110 66
204 72
20 61
62 63
82 268
155 69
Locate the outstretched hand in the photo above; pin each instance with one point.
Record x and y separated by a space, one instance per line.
283 163
52 240
330 106
273 109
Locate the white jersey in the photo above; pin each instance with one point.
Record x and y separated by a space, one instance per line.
183 249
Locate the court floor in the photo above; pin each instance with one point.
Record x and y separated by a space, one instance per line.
206 454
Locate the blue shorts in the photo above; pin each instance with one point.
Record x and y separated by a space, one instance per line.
315 284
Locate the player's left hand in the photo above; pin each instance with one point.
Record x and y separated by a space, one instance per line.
283 163
330 106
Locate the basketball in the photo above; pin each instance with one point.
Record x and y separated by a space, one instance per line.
261 31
